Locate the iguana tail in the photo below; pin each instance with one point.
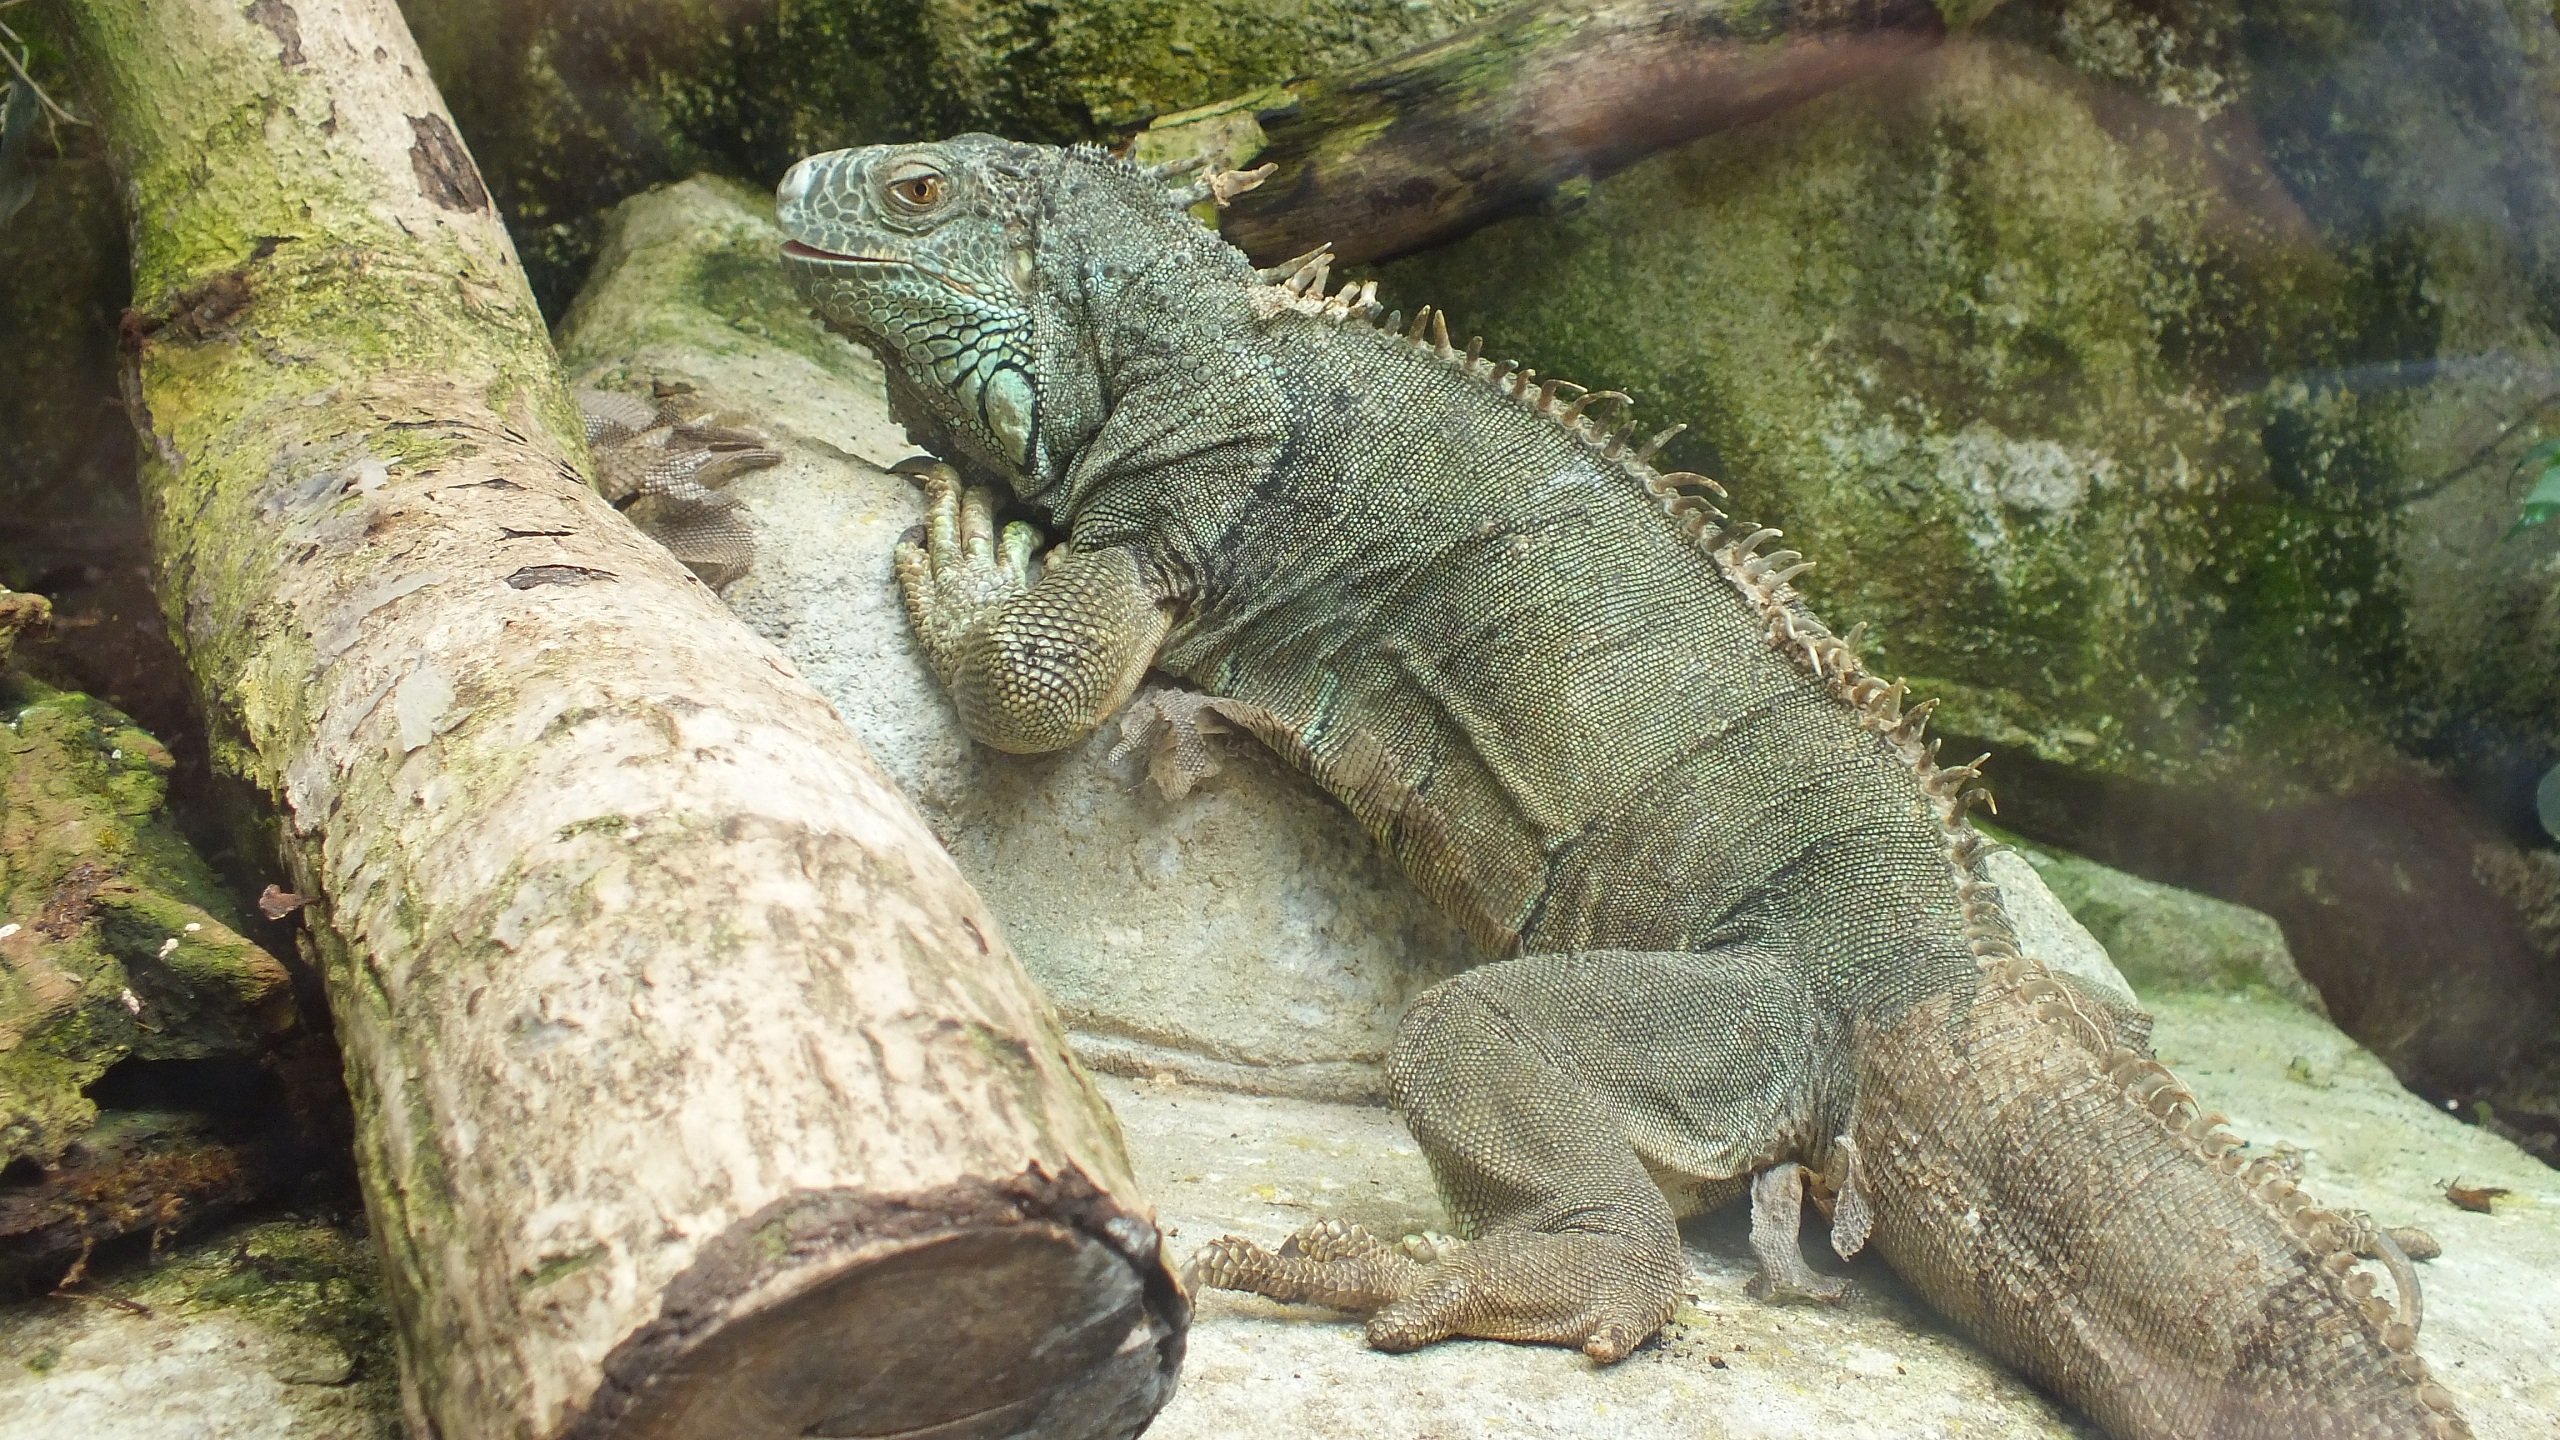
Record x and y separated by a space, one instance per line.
2064 1199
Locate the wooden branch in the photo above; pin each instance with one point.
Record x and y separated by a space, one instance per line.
1435 143
696 1094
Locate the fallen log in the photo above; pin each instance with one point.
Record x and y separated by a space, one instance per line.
1432 144
696 1094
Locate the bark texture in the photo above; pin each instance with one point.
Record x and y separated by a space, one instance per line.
696 1094
1417 150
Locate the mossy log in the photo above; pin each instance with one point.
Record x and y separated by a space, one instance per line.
695 1094
1408 153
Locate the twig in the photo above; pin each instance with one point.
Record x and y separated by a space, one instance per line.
2478 457
18 64
103 1297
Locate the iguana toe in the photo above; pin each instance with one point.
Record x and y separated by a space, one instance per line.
1347 1270
1603 1294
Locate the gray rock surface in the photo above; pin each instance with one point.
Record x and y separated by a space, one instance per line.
2164 938
267 1331
1877 1366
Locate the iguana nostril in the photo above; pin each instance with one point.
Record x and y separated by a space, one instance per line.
796 184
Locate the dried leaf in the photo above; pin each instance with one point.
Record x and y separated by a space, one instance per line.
2477 1199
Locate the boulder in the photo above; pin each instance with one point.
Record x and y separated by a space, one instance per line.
1247 934
147 1045
2155 382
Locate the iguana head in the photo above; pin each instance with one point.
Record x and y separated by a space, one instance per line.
985 275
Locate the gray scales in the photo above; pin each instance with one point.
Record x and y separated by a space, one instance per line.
1752 945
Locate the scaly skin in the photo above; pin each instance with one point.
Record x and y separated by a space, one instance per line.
1754 948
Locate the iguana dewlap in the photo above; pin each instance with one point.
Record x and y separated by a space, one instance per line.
1754 948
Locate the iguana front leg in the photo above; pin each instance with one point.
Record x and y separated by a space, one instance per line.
1031 665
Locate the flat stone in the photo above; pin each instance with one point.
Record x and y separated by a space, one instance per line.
242 1334
1877 1366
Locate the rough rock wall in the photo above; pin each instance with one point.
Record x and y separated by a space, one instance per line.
2155 377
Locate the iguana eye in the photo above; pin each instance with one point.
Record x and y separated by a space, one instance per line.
917 188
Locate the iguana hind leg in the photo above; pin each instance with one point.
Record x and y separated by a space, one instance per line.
1554 1097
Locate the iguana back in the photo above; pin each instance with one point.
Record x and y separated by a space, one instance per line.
1587 715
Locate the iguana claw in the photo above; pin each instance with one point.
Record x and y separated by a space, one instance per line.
957 571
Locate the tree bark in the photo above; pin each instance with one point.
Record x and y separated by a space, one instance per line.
1426 147
696 1094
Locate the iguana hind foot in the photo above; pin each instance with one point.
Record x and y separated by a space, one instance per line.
1599 1293
1173 729
1330 1263
1777 1213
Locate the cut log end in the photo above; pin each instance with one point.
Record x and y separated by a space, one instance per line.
954 1317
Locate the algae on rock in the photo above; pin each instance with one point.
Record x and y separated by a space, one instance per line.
119 940
2039 368
126 986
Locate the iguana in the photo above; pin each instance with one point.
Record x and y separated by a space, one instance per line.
1753 942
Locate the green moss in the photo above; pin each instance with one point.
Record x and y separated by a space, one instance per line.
2054 386
135 949
300 1275
561 1267
572 105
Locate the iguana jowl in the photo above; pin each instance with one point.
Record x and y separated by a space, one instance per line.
1591 717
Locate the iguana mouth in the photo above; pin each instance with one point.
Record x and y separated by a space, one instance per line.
799 251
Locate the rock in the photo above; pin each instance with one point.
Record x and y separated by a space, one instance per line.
1116 898
1878 1366
2165 939
118 941
270 1331
2128 441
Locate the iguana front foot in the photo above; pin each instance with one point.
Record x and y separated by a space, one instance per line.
951 570
1603 1294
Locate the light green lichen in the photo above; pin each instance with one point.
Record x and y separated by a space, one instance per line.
2035 373
121 941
